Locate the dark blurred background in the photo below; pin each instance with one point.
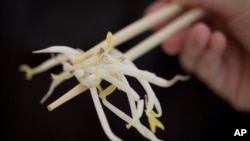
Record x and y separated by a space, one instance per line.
190 110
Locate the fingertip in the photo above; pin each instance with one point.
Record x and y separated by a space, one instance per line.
195 43
210 61
200 35
173 45
217 42
197 40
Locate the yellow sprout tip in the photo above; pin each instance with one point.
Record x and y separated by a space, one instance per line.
154 122
26 68
60 77
107 91
109 39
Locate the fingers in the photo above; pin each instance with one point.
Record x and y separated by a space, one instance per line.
202 55
210 63
195 43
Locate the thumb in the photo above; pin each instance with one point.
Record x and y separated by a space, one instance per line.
224 8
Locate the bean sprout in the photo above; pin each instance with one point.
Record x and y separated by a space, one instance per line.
110 65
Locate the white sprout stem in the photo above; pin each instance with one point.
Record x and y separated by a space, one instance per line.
59 49
175 79
81 65
165 33
131 70
101 115
152 99
146 86
141 74
138 114
52 62
135 29
132 102
144 83
140 127
157 105
78 89
113 80
130 99
121 86
53 85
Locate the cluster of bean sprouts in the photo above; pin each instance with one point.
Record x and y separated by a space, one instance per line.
112 66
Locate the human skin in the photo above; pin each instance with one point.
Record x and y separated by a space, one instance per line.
217 52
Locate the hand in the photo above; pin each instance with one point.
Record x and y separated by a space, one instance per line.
219 57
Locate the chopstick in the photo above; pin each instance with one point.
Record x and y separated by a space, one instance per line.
143 47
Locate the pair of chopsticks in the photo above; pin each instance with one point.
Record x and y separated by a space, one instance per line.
146 23
146 45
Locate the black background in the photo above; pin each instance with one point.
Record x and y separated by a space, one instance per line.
191 111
